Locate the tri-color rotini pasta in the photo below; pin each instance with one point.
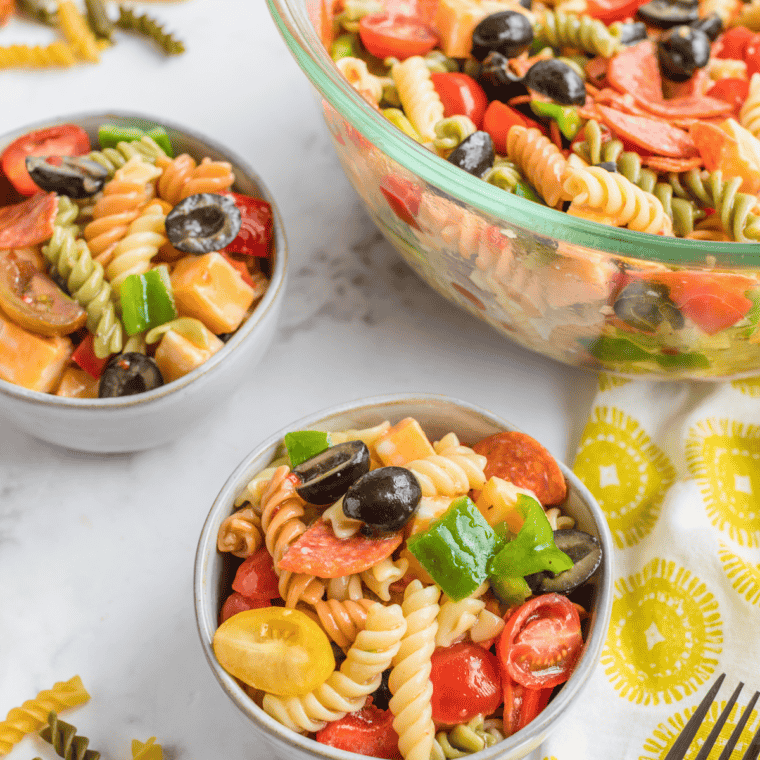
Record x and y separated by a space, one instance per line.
393 626
117 298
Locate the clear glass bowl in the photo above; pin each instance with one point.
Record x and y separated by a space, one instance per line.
548 281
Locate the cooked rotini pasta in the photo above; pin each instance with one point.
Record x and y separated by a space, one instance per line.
342 620
65 741
379 578
503 174
558 520
487 627
67 214
347 689
453 469
409 680
449 132
343 526
251 494
344 588
209 177
369 86
463 739
77 32
56 54
418 96
149 750
240 533
749 116
582 32
749 16
539 160
33 714
112 159
455 619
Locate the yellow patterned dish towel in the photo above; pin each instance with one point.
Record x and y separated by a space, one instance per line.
676 469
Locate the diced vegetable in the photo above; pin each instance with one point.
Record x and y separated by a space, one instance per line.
84 356
567 117
147 300
304 444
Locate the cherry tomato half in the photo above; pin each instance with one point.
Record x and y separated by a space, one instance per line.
499 118
236 602
608 11
731 90
461 95
733 43
366 732
522 705
385 35
466 683
541 642
752 56
61 140
256 578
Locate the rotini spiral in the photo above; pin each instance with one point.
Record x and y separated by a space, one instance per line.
344 587
583 32
503 174
143 24
464 739
451 131
33 714
342 621
254 489
369 86
381 575
418 96
37 56
65 740
347 689
539 160
133 253
114 158
150 750
182 177
749 116
409 680
617 198
72 260
67 215
240 533
453 469
343 526
558 520
281 512
77 32
456 618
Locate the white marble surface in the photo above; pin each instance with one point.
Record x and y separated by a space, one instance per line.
96 552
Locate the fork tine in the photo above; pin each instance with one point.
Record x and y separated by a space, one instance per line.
753 751
681 744
715 733
729 748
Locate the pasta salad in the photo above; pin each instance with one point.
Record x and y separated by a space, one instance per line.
398 597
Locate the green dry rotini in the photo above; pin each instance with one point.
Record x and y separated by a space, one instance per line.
65 740
149 27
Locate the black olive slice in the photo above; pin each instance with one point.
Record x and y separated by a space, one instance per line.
475 154
666 13
646 305
507 32
203 222
384 499
75 176
327 475
556 80
585 552
633 31
711 25
128 374
681 51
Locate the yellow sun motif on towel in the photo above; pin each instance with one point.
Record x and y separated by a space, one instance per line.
608 382
665 634
626 472
749 386
724 457
665 735
744 576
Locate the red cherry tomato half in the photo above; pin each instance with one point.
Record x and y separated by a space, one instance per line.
256 578
613 10
366 732
731 90
541 642
236 602
752 56
499 118
61 140
522 705
255 229
733 43
466 683
461 95
385 35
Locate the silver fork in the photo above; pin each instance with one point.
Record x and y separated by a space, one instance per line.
683 742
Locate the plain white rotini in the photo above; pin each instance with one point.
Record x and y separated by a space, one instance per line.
453 470
457 618
347 689
749 116
380 576
257 485
343 527
558 520
488 626
409 680
344 587
369 86
418 96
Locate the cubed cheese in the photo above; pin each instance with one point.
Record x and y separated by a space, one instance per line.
498 500
30 360
404 442
76 383
176 355
429 509
209 288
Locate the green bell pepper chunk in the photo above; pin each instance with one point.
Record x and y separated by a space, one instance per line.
110 135
147 300
524 190
456 549
305 444
511 591
533 549
567 118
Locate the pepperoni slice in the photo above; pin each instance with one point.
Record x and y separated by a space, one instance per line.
662 165
318 551
29 222
522 460
635 70
654 135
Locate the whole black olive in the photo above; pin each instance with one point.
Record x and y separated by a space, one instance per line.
129 374
527 4
475 154
383 499
668 13
681 51
327 475
585 552
381 696
645 306
711 25
507 32
203 222
556 80
75 176
497 81
609 166
633 31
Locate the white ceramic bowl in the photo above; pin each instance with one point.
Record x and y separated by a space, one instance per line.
146 420
437 415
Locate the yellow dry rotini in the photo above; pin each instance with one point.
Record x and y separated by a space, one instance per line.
77 32
56 54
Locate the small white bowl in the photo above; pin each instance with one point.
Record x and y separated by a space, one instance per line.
437 415
150 419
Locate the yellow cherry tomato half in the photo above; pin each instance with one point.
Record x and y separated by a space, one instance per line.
278 650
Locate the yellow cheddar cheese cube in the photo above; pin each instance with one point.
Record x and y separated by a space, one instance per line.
209 288
497 502
402 443
30 360
76 383
176 355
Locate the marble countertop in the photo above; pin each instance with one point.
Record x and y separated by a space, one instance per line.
96 552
